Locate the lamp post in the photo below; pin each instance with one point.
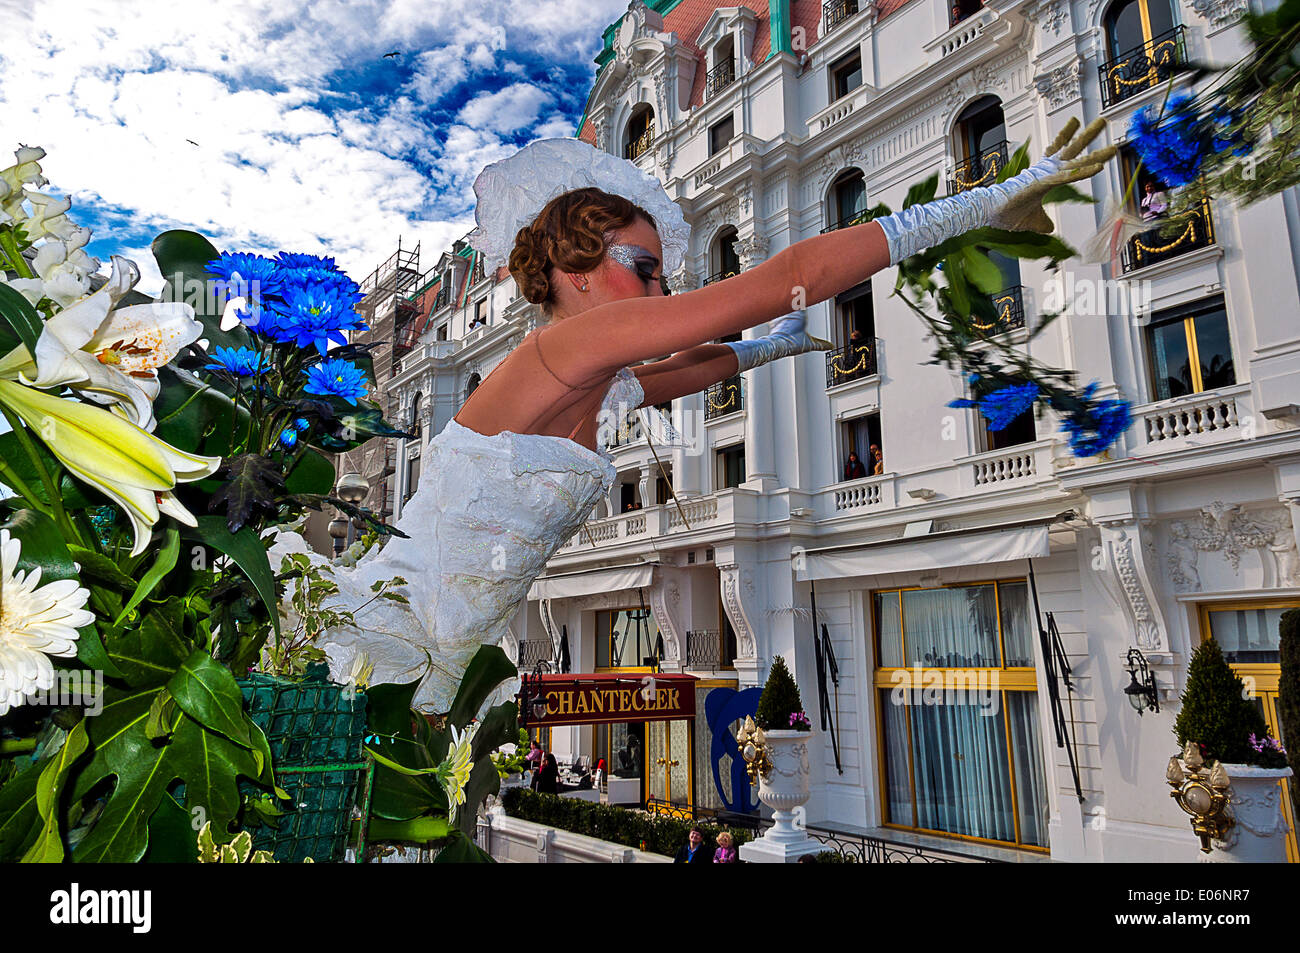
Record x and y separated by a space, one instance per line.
351 488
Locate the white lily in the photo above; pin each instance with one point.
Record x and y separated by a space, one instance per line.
26 171
110 354
124 462
63 270
49 218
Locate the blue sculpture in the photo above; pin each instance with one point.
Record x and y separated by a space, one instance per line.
722 706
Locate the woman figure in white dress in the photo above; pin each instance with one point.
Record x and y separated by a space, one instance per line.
518 470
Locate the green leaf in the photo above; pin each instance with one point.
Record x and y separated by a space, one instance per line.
247 551
311 473
48 848
922 192
356 425
489 667
98 568
957 287
182 258
164 564
1066 193
206 691
462 850
483 780
418 830
252 487
151 653
92 654
208 763
19 819
500 726
20 318
172 838
197 417
43 546
981 271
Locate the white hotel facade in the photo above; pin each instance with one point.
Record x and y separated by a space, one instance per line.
1187 528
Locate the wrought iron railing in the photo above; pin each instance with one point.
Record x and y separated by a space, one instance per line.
979 169
850 363
724 397
440 302
532 651
641 144
1170 238
704 650
1009 307
857 218
1143 67
720 77
838 11
719 275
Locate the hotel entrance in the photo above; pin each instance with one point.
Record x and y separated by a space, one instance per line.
668 762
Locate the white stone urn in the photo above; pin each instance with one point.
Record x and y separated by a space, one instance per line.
785 789
1259 829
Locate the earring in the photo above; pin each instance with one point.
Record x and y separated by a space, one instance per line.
584 286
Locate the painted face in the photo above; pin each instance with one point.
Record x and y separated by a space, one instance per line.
639 260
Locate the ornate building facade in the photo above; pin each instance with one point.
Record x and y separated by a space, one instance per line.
954 552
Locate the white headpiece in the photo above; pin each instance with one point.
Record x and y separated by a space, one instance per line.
511 193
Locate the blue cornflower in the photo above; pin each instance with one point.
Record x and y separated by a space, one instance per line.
288 437
259 318
246 275
336 378
242 361
301 423
1094 430
315 315
1003 406
299 260
1172 145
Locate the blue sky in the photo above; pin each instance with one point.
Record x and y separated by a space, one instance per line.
302 135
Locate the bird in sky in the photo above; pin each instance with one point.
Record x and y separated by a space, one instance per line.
392 54
191 142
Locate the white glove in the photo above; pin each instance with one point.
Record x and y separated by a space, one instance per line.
786 338
1015 204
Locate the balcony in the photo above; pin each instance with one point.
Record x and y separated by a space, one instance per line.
1193 420
1009 306
851 362
981 169
641 144
705 651
532 651
1156 245
651 522
838 11
724 397
719 78
1144 67
995 469
857 218
719 275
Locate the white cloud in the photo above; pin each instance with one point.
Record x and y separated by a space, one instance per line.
506 110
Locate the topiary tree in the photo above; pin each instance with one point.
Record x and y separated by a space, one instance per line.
780 700
1288 698
1215 710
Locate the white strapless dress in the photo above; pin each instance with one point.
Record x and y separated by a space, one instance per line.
488 514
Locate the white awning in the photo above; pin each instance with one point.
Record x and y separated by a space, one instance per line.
922 552
591 581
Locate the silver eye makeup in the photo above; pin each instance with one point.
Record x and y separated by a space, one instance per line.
634 258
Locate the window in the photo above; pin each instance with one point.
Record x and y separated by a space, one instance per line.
1144 47
959 10
441 333
723 256
1019 431
863 450
412 478
480 313
628 498
979 144
414 429
723 73
731 466
848 200
1190 350
1168 237
961 745
721 133
625 638
1247 632
472 385
640 132
854 358
846 75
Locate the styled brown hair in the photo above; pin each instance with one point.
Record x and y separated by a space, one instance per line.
569 235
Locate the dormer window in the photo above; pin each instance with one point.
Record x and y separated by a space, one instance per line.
640 132
723 72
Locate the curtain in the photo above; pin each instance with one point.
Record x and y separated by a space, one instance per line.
891 630
898 784
1017 641
951 628
1027 755
1247 635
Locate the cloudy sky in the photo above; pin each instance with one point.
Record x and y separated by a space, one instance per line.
280 124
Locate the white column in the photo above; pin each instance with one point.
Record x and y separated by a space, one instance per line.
760 455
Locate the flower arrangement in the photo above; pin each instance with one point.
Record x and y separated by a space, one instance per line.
799 721
779 706
959 314
1219 716
148 446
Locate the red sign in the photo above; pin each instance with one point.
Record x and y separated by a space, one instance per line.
549 700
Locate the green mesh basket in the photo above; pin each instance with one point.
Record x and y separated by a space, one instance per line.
315 730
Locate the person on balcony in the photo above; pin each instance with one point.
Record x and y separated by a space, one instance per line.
877 459
853 467
1154 202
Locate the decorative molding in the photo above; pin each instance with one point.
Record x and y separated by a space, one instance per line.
1221 12
682 281
1226 529
664 599
1060 86
738 589
751 250
1050 16
1125 576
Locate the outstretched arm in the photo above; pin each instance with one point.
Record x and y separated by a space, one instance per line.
687 372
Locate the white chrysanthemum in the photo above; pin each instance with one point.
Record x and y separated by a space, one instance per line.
35 622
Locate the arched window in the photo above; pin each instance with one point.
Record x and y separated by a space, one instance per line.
723 256
1144 47
414 429
848 200
474 381
979 144
640 131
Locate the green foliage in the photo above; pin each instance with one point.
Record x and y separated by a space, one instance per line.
657 834
1215 710
1288 695
780 700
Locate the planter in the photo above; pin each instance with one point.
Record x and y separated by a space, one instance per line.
1259 829
785 789
315 731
